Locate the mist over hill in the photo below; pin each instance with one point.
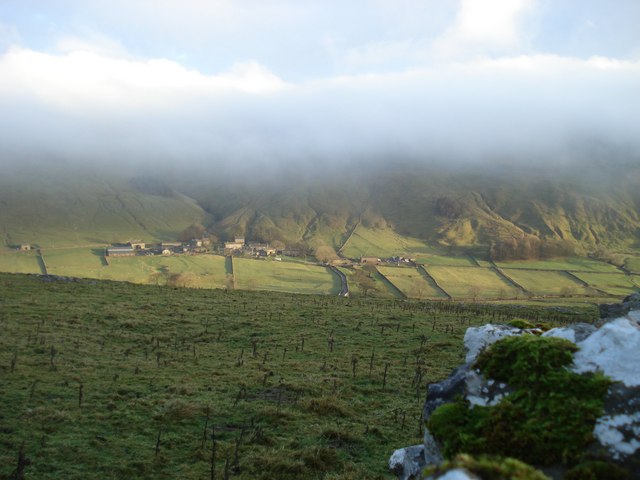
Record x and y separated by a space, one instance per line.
588 205
460 205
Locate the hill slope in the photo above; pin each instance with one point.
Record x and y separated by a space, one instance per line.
59 210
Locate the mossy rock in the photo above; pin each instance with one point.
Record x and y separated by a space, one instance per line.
527 325
548 419
493 468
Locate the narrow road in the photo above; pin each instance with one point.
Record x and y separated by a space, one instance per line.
344 291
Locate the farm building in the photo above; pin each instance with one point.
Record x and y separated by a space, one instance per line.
137 244
25 247
370 261
170 245
233 245
120 251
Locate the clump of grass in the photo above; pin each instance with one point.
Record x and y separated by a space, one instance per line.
548 419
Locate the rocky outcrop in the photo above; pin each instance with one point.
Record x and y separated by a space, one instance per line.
613 350
617 310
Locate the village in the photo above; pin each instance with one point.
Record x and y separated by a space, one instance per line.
192 247
237 247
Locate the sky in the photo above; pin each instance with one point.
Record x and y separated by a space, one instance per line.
269 82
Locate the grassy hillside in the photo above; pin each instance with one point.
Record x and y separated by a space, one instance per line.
112 380
435 206
67 209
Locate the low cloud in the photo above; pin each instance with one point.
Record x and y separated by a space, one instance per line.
93 106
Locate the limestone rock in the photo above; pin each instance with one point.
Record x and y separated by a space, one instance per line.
616 310
455 474
408 463
613 349
478 338
575 333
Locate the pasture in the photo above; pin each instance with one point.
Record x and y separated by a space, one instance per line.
411 282
472 282
611 283
540 283
578 264
384 243
13 261
632 264
439 260
114 380
250 274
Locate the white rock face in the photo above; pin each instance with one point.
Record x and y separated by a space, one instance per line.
477 338
614 350
408 462
566 333
457 474
619 433
575 333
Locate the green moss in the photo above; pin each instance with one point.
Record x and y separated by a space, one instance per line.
521 324
494 468
527 325
547 419
596 470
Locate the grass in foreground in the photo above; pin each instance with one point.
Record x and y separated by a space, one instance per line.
113 380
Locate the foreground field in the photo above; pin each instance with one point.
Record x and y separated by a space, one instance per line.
112 380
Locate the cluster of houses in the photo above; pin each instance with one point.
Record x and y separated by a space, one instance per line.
240 247
194 246
398 261
136 247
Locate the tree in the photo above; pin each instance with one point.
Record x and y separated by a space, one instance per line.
194 230
326 254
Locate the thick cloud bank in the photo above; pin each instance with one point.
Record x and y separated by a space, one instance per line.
84 104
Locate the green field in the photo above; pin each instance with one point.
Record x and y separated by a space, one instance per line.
468 282
49 209
283 277
113 380
614 284
571 264
439 260
13 261
76 262
380 287
369 242
633 264
411 282
197 271
547 283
